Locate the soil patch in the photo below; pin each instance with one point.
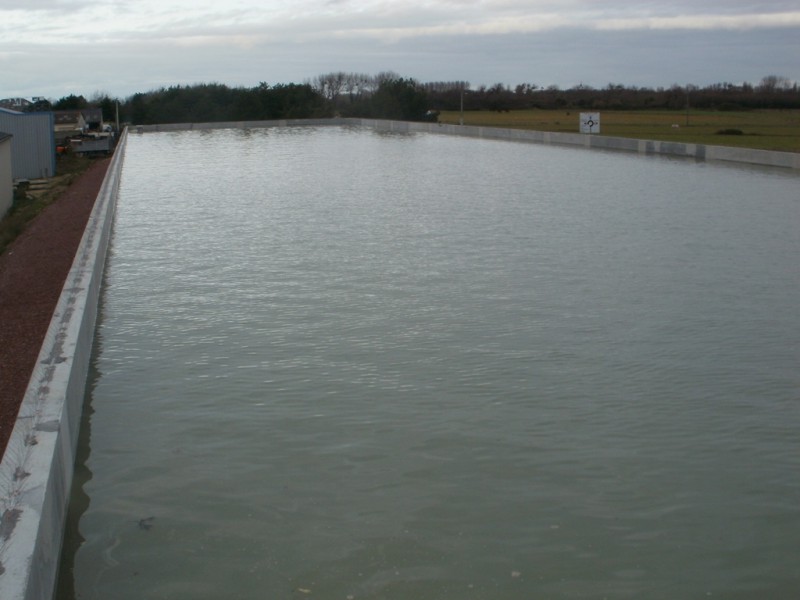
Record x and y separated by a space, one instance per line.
32 273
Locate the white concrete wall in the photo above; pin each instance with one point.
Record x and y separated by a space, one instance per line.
703 152
37 467
6 179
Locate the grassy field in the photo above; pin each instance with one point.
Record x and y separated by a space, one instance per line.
763 129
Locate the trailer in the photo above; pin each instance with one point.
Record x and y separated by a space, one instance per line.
92 146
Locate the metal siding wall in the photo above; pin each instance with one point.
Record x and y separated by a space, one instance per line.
33 145
6 188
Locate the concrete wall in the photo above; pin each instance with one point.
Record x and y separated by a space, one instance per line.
37 467
6 179
702 152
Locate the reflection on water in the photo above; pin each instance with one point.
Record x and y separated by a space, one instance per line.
342 364
79 500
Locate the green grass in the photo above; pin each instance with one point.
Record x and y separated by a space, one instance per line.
762 129
28 205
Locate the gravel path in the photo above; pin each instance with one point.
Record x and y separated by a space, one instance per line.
32 273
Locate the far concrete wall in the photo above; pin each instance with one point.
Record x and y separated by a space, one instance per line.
702 152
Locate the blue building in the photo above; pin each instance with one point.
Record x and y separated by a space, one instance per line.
33 152
6 186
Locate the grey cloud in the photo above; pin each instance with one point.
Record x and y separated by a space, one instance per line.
45 5
242 52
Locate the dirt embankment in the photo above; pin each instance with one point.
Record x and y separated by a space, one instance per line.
32 272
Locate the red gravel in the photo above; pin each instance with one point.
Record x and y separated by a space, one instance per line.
32 272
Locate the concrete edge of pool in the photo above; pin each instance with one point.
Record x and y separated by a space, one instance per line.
701 152
37 467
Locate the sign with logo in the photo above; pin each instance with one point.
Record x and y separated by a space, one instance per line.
590 122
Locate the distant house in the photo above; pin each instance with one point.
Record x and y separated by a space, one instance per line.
33 149
6 180
18 104
74 122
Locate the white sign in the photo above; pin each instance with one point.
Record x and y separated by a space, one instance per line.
590 122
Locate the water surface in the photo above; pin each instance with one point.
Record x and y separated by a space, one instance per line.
335 363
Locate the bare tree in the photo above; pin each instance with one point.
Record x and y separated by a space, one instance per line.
383 77
772 83
330 85
441 87
356 85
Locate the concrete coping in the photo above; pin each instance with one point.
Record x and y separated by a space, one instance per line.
699 152
37 467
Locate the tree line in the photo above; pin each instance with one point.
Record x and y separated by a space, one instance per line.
387 95
773 92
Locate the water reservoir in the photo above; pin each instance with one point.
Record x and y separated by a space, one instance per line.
334 363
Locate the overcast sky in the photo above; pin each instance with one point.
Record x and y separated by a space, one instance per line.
53 48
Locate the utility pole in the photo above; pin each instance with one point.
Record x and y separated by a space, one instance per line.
461 119
687 104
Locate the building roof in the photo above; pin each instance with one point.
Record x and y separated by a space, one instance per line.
92 115
66 117
70 117
13 103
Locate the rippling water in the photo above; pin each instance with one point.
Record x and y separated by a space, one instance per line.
334 363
